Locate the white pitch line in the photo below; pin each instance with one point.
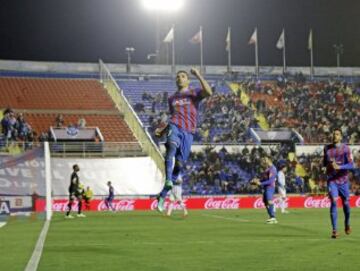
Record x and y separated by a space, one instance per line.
2 224
33 263
227 218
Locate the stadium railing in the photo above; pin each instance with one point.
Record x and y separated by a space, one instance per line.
79 149
130 116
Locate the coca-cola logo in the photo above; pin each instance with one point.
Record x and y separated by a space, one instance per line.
63 206
311 202
118 205
258 204
230 203
357 202
176 205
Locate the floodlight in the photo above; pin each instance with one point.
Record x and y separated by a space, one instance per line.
163 5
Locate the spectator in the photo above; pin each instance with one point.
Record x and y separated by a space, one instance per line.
81 123
59 121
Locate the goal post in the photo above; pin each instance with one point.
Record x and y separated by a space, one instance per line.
48 181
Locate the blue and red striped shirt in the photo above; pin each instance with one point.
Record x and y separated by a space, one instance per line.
341 154
184 107
268 178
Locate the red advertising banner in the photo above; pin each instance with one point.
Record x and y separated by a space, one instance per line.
60 205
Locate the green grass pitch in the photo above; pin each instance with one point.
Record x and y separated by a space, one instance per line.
205 240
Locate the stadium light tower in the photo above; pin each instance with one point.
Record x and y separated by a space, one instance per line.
129 51
159 7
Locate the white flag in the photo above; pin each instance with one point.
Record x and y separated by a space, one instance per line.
310 40
253 38
228 40
281 42
170 36
197 38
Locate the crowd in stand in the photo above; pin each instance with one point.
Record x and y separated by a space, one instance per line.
224 119
313 109
211 172
15 129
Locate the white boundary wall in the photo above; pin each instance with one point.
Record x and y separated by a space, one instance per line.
129 176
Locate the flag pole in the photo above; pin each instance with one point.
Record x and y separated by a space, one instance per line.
256 55
229 49
173 68
284 55
311 64
310 45
201 51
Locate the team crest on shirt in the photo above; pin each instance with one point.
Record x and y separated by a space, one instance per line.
181 102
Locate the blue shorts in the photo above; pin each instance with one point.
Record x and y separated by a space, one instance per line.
183 141
335 190
268 194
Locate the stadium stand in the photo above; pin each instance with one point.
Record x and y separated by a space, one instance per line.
226 116
40 100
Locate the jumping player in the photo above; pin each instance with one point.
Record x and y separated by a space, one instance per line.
183 106
337 162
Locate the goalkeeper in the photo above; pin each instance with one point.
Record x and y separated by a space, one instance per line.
75 192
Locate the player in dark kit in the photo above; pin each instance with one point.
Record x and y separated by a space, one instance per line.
75 192
337 162
183 106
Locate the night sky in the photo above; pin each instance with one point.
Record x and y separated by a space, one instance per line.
85 30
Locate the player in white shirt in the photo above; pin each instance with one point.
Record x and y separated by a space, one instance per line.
176 197
282 186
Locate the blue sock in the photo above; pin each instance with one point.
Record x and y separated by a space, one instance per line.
271 210
169 160
268 210
333 215
346 208
164 192
176 171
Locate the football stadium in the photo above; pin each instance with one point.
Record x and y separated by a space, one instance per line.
179 135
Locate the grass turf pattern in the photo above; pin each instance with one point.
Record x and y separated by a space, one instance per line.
205 240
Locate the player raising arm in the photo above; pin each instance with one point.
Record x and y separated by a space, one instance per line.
337 162
183 106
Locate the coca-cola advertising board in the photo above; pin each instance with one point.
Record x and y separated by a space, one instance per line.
209 203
